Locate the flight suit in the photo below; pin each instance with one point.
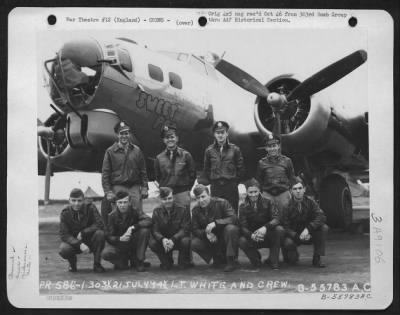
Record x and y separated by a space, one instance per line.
118 252
253 217
86 221
174 225
123 171
178 172
275 174
223 168
221 212
297 217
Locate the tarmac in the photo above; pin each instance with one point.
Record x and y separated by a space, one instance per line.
347 270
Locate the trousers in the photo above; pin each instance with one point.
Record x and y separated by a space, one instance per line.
227 245
134 249
318 240
94 241
227 190
272 240
183 246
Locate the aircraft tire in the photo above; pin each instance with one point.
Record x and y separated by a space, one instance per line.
336 202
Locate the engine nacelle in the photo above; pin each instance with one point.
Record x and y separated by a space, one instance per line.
81 141
306 126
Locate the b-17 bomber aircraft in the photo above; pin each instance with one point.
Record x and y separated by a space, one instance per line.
94 84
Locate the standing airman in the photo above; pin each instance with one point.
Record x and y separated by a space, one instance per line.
175 168
124 169
274 173
223 166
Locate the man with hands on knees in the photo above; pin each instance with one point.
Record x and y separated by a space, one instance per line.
259 224
304 223
215 234
171 231
128 233
81 231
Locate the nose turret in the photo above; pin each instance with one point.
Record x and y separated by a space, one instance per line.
82 52
75 73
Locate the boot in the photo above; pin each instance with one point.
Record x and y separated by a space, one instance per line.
230 266
317 262
72 265
140 266
98 268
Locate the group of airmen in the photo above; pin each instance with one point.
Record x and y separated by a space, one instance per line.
275 213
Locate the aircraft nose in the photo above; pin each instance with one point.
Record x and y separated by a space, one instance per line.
83 52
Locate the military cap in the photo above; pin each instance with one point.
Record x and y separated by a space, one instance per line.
220 125
121 195
165 191
271 139
76 193
251 183
296 180
121 126
199 189
167 130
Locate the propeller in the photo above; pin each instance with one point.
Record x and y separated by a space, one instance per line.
315 83
241 78
48 134
47 176
328 75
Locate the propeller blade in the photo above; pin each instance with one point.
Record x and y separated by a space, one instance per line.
328 75
48 175
277 124
241 78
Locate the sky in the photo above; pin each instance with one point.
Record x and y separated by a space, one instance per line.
264 53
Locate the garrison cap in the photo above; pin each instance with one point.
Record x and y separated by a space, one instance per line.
199 189
296 180
76 193
271 139
252 183
165 191
121 126
121 195
167 130
219 125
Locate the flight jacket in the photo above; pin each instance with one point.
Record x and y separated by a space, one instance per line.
250 219
219 211
120 168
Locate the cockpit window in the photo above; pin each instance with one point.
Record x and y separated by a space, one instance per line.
198 65
156 73
124 59
175 80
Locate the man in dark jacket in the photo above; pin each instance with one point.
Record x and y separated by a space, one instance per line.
223 166
274 173
124 169
259 224
128 233
171 231
304 223
215 234
175 168
81 231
